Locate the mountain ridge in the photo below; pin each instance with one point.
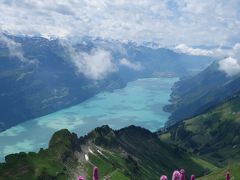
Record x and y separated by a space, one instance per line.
127 152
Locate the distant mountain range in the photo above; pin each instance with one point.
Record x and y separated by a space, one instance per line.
39 76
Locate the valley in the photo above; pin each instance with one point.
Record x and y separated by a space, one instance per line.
50 75
206 145
139 103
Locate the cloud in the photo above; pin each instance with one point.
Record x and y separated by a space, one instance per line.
218 53
229 58
230 66
166 22
15 49
95 65
236 50
183 48
135 66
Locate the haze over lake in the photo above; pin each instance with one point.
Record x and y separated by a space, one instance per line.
139 103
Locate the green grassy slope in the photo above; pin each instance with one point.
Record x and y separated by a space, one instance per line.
130 153
219 173
46 164
214 135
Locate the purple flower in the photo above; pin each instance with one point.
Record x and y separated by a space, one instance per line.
80 178
182 172
95 173
192 177
227 176
176 175
163 177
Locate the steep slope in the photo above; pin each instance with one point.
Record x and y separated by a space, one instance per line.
195 95
129 153
213 135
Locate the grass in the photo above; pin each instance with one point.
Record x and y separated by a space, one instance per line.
219 174
212 134
118 175
34 166
204 163
109 163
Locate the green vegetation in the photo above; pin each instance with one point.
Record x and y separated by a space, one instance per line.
213 135
110 164
130 153
218 174
47 164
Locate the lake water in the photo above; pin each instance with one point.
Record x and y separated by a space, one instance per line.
139 103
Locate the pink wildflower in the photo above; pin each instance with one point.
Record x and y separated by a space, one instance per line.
80 178
192 177
182 172
95 174
176 175
227 176
163 177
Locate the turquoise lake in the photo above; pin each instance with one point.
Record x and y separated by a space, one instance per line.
139 103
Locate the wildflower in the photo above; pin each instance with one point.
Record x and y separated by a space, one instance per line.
176 175
163 177
192 177
80 178
95 173
227 176
182 172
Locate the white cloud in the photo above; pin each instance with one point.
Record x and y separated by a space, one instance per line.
230 66
135 66
183 48
229 58
167 22
236 50
218 53
96 64
15 49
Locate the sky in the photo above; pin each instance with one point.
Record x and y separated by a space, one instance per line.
166 22
184 25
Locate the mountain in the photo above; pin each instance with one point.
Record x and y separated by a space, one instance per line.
129 153
29 90
213 135
195 95
39 76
